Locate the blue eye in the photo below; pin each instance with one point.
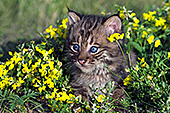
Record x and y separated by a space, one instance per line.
76 47
93 49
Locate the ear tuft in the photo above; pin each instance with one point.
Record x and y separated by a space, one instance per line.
113 24
73 17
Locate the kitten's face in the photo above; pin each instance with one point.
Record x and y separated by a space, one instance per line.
87 42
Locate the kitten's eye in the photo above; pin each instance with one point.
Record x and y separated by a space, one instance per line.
93 49
76 47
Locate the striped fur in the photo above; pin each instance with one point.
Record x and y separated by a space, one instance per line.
85 32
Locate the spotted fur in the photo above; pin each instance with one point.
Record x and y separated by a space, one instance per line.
86 34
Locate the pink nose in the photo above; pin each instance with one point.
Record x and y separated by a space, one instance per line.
81 61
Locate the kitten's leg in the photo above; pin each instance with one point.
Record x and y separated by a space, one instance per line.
119 94
80 90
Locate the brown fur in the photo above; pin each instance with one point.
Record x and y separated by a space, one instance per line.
87 67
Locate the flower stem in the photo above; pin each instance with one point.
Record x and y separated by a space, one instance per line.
113 73
122 52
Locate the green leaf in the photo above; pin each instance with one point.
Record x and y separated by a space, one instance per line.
5 93
135 45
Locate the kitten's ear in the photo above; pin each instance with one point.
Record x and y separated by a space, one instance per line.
113 24
73 17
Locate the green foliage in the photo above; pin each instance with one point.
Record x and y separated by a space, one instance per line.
22 19
149 86
34 74
32 79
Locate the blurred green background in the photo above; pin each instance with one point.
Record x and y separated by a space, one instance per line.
20 20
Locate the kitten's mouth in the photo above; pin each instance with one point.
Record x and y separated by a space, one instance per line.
85 68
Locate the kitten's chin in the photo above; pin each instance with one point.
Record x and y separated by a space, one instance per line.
86 69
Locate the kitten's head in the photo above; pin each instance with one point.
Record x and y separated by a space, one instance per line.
87 42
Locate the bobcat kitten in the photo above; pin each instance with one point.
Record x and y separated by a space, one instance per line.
88 51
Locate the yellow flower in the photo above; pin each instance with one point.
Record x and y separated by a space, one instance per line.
64 96
37 49
2 85
6 81
51 65
14 86
25 68
127 70
142 60
157 43
43 43
55 90
8 63
98 107
152 12
20 80
52 34
51 31
52 95
121 36
88 107
44 87
33 81
149 16
136 68
132 15
36 85
39 60
126 83
40 89
144 64
115 37
145 16
144 34
150 77
10 53
127 80
136 20
102 13
135 28
135 25
121 15
166 4
18 84
29 62
47 36
165 26
150 39
64 21
51 50
128 35
100 98
25 50
11 67
168 54
71 96
35 65
160 22
51 85
5 72
18 59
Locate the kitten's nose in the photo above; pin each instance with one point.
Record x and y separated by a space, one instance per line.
81 61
